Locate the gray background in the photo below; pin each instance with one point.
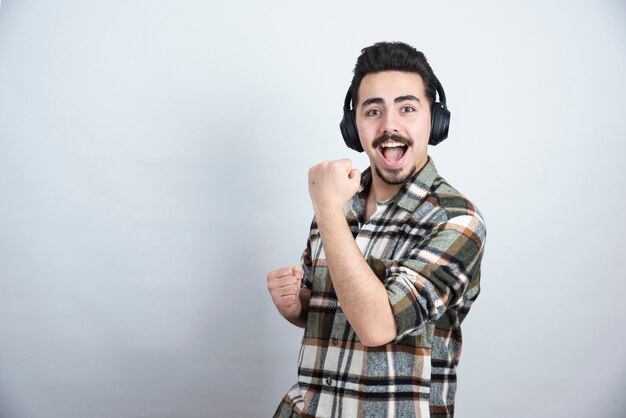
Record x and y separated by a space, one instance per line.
153 161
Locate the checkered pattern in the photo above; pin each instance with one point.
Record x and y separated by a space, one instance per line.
425 244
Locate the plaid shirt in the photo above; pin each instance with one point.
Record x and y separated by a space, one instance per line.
425 244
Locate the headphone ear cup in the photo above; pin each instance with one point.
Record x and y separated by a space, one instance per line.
440 124
349 131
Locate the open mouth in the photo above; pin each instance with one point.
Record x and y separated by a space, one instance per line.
393 153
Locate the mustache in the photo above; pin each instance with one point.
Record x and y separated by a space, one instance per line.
397 138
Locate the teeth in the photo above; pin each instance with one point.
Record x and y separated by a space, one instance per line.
392 144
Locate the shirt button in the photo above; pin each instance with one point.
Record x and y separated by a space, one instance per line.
335 341
329 381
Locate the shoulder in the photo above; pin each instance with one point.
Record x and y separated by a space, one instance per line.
444 204
449 200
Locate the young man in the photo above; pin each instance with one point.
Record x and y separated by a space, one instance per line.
392 264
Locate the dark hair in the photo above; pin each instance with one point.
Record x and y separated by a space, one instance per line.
393 56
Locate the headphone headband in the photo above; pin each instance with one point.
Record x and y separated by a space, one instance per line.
440 92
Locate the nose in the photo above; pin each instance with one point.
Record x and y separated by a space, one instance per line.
390 123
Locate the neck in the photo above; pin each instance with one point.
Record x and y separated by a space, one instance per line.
382 191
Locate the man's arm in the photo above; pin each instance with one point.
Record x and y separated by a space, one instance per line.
362 296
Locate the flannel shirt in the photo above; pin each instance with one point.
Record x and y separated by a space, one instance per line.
425 244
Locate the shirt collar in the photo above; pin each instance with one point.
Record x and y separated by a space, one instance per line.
411 192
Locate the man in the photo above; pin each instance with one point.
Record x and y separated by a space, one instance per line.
392 263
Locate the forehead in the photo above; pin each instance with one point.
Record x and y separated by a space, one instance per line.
391 84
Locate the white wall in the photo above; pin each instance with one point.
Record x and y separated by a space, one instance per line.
153 160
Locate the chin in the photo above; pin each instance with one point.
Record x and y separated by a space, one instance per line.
394 176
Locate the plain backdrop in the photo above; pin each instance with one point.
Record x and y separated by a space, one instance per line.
153 162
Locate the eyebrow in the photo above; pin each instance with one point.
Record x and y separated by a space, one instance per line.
399 99
405 98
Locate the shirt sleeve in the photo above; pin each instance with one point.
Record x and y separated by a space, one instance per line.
307 276
436 273
306 260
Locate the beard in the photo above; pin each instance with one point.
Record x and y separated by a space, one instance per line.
394 177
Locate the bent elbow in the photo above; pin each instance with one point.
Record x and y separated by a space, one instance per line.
376 339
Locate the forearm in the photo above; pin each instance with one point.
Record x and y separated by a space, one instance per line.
362 295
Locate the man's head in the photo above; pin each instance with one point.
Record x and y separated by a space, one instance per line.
393 91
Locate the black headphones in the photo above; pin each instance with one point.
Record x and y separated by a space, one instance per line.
438 129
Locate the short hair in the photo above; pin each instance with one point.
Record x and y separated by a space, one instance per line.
393 56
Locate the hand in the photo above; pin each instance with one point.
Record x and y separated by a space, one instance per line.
284 287
332 184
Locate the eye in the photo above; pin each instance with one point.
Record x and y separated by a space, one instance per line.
407 109
373 112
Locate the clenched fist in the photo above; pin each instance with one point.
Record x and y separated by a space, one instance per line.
284 287
332 184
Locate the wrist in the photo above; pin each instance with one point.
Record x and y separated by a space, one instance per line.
296 318
329 213
330 224
293 315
